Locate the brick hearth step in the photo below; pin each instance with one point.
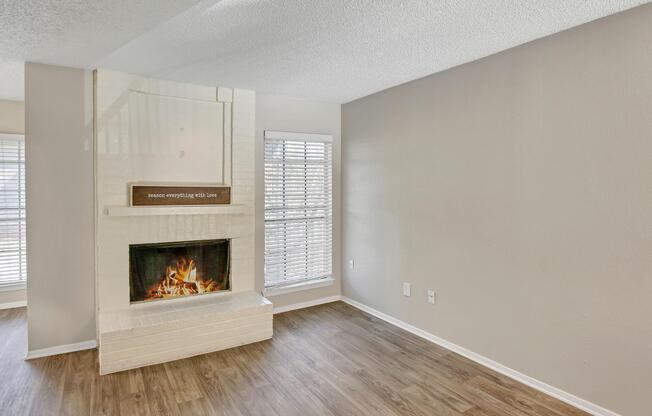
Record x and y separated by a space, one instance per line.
160 331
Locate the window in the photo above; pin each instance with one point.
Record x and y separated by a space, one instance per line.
298 208
12 210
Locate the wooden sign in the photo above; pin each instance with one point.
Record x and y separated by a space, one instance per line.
148 195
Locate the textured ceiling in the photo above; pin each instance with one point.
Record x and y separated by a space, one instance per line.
332 50
75 33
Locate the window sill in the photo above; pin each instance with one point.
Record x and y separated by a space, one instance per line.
312 284
8 287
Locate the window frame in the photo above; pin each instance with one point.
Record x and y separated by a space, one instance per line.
21 282
293 285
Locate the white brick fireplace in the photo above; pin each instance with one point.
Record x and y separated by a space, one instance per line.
151 131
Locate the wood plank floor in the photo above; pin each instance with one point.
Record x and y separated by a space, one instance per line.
327 360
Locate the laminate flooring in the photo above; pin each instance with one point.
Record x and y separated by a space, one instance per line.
331 359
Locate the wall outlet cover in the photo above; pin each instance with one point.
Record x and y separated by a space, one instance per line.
406 289
431 296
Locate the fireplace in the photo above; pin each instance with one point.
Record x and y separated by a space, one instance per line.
178 269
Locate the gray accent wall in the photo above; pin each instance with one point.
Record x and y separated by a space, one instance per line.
60 225
519 188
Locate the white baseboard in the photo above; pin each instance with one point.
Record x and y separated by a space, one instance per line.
571 399
61 349
10 305
307 304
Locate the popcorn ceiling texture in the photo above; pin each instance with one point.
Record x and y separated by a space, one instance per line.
74 33
335 50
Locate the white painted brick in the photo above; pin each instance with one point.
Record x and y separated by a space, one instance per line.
118 147
182 329
118 150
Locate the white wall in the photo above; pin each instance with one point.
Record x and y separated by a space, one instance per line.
59 175
280 113
12 120
519 187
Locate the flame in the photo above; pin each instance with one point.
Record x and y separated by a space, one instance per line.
181 279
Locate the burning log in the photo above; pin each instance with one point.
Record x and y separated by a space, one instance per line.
181 279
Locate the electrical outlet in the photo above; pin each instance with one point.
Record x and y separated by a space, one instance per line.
351 264
406 289
431 296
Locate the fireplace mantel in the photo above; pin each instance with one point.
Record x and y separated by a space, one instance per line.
125 211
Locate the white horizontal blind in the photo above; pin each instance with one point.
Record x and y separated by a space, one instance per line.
12 209
298 208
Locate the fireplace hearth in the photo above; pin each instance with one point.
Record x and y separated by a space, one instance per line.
177 269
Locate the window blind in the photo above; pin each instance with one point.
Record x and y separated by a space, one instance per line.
298 208
13 264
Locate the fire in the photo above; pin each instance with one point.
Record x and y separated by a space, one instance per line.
181 279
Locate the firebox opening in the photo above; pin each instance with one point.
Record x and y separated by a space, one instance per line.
177 269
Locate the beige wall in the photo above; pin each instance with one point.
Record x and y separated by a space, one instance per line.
12 120
519 187
60 245
280 113
12 117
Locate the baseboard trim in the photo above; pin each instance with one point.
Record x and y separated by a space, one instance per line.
565 397
307 304
61 349
10 305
